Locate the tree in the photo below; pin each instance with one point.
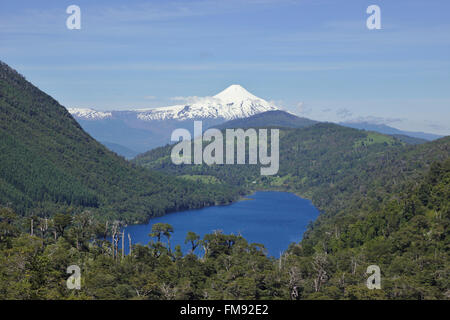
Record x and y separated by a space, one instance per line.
193 238
157 230
83 228
61 221
162 229
319 264
7 227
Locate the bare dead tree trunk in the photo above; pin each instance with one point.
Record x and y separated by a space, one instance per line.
113 248
113 239
168 292
319 264
116 246
42 227
337 232
123 244
342 280
279 261
354 265
105 234
294 282
129 243
31 228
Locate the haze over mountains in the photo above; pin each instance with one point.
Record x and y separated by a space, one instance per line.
131 132
382 128
143 129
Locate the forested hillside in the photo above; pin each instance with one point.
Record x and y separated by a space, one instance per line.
371 191
344 171
276 118
48 164
382 202
316 156
407 236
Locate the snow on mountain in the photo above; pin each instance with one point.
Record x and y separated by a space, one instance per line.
89 114
232 103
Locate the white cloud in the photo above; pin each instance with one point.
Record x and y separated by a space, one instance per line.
277 103
196 99
344 113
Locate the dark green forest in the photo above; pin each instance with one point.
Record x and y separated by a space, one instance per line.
50 165
407 237
63 195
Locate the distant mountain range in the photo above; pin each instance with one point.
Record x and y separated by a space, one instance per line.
141 130
382 128
129 133
381 201
276 118
120 150
232 103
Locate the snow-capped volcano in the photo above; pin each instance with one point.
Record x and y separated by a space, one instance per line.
144 129
233 102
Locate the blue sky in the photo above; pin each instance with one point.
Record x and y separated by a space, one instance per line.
313 57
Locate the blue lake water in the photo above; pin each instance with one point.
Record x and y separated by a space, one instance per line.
274 219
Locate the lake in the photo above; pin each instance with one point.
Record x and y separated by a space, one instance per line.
274 219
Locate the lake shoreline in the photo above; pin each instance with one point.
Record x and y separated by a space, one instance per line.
270 213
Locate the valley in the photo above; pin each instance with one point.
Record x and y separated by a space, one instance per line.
66 198
224 159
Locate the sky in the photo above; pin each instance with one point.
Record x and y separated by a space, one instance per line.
316 58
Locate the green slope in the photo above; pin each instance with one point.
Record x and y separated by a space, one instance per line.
338 168
382 202
406 234
276 119
407 237
48 164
